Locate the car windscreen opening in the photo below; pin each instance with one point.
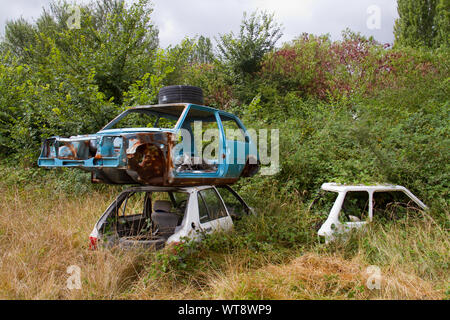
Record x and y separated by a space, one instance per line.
393 205
150 117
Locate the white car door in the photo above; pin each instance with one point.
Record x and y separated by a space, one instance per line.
212 213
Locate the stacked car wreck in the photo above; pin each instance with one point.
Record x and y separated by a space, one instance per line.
177 143
184 155
150 154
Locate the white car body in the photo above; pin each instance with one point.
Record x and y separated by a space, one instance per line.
333 226
191 226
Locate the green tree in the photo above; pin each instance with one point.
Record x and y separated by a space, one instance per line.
120 40
190 52
422 23
55 80
258 35
202 51
442 22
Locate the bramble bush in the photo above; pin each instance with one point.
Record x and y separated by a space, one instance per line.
320 68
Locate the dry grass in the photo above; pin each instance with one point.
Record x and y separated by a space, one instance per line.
41 236
315 276
42 233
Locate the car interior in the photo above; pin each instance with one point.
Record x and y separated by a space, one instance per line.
202 129
392 204
355 207
142 215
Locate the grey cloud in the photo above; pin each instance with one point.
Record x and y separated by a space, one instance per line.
20 8
179 18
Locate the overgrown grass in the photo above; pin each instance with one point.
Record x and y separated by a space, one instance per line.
274 255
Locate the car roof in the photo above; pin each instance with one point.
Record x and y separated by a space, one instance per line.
335 187
165 189
206 108
377 187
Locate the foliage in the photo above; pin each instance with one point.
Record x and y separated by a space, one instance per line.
115 40
203 51
54 225
351 110
145 91
442 21
422 23
176 257
257 36
52 99
318 67
214 82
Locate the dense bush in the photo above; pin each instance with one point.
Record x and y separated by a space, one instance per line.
60 81
321 68
355 111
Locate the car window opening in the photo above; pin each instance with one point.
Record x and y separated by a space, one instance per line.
235 205
198 149
392 205
355 207
147 215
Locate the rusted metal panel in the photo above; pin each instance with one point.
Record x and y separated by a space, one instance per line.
150 157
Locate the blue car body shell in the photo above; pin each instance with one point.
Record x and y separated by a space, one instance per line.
152 155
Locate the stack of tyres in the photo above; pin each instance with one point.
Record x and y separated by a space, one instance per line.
181 94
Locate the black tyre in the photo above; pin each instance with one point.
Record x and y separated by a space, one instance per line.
181 94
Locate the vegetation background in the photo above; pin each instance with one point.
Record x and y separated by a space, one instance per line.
351 111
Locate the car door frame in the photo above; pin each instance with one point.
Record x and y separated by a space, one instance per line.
224 223
221 157
248 209
232 165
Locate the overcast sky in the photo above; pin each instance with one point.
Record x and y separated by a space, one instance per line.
179 18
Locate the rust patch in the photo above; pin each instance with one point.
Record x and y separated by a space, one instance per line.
151 157
72 149
147 161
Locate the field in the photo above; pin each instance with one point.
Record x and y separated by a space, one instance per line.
44 230
350 110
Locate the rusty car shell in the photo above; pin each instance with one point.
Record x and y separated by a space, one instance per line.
146 155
